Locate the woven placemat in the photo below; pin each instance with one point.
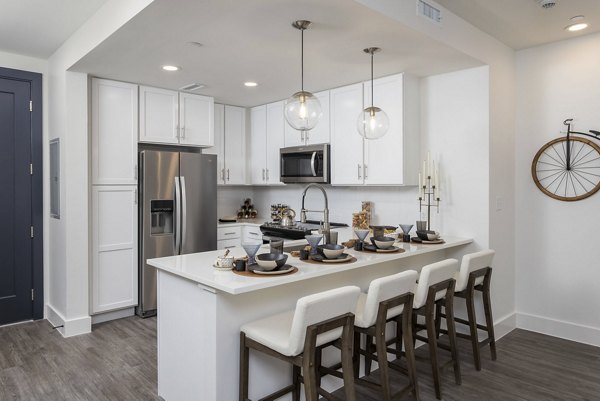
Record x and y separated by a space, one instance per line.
399 250
314 262
250 274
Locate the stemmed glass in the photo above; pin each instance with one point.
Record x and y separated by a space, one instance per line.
361 234
251 248
313 241
406 230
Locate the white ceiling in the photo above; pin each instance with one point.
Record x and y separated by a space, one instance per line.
524 23
254 41
37 28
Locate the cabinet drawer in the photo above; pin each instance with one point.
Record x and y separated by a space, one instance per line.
252 234
229 233
228 243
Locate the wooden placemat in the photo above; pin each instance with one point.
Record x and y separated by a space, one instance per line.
250 274
314 262
399 250
427 242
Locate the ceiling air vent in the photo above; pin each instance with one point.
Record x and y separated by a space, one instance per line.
427 10
192 87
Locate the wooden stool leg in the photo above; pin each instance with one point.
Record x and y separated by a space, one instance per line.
432 343
347 369
296 382
438 320
244 366
370 350
384 373
399 336
409 350
470 298
309 370
356 355
489 322
452 335
318 357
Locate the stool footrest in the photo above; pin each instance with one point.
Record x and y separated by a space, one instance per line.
278 394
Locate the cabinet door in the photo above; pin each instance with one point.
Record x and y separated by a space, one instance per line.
292 137
114 247
321 132
219 145
275 141
251 234
158 115
114 132
383 156
235 145
258 145
346 143
196 116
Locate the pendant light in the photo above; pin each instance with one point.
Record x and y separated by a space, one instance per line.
303 110
372 122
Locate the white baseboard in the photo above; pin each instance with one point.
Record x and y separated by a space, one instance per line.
505 325
118 314
70 327
558 328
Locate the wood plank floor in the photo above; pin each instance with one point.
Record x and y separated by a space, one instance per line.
117 361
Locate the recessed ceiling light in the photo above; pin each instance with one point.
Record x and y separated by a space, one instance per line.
250 84
170 68
576 27
194 43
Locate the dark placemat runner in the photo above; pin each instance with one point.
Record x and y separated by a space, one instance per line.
250 274
314 262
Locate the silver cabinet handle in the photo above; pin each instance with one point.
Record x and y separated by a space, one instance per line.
252 233
359 177
230 233
267 174
227 174
230 246
365 168
263 174
312 164
183 132
183 212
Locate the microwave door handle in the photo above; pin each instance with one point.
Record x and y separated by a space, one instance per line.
312 164
176 236
183 215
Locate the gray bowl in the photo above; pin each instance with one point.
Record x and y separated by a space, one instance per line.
428 235
383 242
331 251
270 261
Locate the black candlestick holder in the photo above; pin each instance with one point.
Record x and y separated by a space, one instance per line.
429 197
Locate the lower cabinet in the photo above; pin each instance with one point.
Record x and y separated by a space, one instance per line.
114 247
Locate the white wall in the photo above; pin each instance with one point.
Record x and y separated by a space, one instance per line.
556 242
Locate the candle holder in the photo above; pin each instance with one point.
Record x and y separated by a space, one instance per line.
429 197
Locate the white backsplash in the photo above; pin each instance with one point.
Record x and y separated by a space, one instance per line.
229 200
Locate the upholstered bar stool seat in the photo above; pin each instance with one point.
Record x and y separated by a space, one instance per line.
436 287
297 337
389 299
475 274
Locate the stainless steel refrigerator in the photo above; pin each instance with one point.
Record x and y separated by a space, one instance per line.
178 212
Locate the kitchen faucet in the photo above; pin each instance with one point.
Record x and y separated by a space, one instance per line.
325 211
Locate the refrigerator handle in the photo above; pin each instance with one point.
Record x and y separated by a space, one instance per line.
177 230
183 215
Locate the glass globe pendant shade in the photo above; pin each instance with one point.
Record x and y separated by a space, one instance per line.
372 123
303 111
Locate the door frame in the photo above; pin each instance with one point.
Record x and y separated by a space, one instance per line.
37 183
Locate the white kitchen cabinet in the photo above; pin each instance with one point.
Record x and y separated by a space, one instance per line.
219 141
319 134
235 146
170 117
196 120
114 247
229 237
251 233
229 243
390 160
114 132
159 115
266 138
346 143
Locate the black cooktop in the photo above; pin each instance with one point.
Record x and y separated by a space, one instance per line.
297 231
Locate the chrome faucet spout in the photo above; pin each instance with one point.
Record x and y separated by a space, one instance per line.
325 211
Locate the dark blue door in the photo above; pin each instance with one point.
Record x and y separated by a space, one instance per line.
15 202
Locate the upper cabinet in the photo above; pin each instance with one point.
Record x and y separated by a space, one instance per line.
230 144
170 117
266 138
219 141
319 134
390 160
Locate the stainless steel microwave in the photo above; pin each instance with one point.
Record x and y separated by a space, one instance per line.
302 164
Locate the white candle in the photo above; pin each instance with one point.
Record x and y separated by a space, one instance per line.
428 164
420 186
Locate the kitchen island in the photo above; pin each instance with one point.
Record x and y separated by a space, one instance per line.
200 312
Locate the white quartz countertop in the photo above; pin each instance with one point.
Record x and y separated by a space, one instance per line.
198 267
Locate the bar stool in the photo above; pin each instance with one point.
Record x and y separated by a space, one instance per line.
436 287
298 336
476 274
388 299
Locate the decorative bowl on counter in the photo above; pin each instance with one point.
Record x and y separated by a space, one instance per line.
383 242
224 262
270 261
331 251
428 235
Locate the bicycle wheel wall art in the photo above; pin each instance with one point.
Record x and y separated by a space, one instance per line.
568 168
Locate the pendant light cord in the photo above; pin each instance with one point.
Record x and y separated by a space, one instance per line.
302 59
372 79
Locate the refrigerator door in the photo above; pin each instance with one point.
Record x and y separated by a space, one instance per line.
198 202
159 214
